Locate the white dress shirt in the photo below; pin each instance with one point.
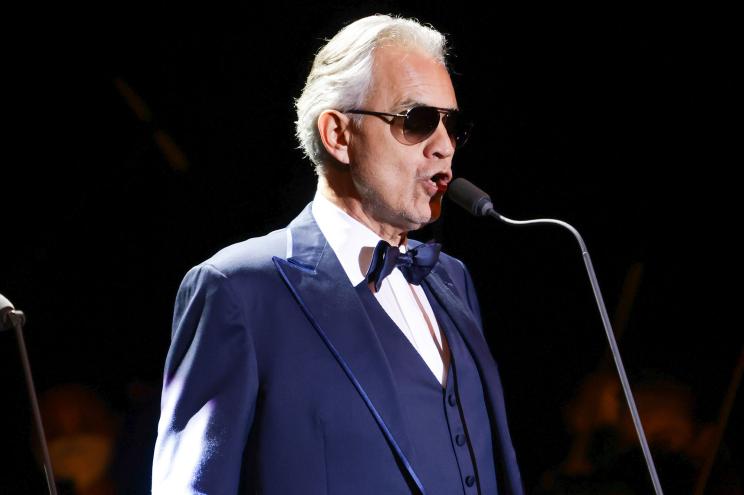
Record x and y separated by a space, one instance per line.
406 304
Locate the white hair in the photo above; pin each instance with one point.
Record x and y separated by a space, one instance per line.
341 74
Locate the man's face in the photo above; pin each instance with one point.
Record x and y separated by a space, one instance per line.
402 185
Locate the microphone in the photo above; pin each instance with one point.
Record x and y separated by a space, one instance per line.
13 318
465 194
9 317
5 308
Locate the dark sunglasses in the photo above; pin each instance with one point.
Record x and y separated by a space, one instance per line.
415 125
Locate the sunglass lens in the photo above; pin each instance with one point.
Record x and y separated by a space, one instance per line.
420 123
458 127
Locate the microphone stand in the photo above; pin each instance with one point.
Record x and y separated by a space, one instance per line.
608 331
17 319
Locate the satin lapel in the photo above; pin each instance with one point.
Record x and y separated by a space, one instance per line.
440 285
319 282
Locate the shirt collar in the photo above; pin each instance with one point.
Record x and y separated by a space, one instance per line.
347 236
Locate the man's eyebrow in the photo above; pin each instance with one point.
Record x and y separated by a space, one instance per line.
408 103
405 104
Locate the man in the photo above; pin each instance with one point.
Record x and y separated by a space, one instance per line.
320 359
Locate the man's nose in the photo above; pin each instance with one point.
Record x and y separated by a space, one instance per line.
440 144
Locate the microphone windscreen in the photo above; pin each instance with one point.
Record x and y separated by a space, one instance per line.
466 194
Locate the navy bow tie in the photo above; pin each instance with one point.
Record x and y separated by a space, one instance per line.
415 264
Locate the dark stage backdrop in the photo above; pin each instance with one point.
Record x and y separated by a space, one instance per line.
141 144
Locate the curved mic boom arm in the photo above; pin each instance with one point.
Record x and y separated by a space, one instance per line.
473 199
608 332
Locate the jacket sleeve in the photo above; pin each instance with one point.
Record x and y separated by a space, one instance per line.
209 390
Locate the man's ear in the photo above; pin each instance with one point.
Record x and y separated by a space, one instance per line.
335 132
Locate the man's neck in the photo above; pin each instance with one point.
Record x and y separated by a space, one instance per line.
349 202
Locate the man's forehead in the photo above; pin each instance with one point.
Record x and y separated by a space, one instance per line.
405 78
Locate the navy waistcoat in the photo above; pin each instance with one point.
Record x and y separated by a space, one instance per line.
448 426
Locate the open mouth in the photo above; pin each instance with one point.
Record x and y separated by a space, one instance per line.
440 181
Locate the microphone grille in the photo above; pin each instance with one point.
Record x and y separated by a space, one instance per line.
466 194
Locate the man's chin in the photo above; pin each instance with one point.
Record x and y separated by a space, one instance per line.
424 220
419 222
422 215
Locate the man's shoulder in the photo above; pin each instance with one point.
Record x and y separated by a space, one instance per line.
251 255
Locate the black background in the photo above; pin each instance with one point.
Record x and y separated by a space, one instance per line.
619 121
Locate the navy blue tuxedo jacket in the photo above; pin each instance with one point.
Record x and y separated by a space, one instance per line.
276 382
